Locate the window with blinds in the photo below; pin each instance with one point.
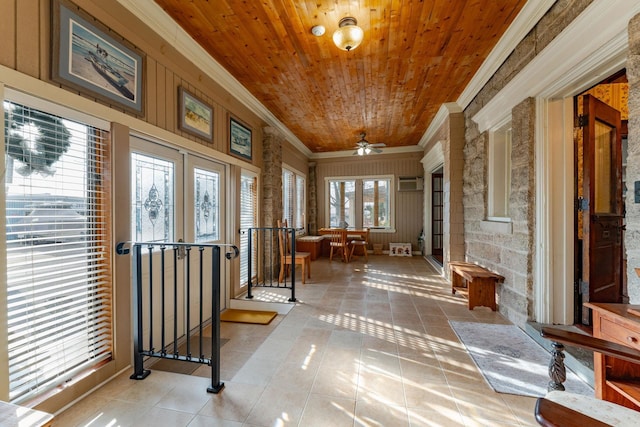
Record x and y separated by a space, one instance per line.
288 200
361 202
248 218
293 199
58 250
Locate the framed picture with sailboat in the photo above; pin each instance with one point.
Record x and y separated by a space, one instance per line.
87 59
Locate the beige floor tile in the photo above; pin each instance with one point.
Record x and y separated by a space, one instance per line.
203 421
233 403
322 411
278 406
188 395
372 413
158 417
295 376
386 389
440 417
257 371
365 345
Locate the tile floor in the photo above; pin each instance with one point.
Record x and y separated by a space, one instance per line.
367 345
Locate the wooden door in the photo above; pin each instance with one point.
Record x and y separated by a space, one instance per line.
437 231
602 208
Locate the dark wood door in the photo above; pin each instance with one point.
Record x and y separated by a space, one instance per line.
437 231
602 208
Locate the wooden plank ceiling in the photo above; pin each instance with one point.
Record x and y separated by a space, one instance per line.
416 55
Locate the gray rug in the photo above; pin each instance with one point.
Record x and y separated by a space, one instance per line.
510 361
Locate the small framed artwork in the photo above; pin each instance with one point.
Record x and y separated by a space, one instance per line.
196 117
239 139
89 60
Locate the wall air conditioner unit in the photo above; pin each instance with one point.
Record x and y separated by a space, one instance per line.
410 183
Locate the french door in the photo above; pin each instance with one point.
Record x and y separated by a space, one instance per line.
178 196
602 211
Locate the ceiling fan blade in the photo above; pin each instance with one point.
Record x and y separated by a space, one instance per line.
379 144
376 150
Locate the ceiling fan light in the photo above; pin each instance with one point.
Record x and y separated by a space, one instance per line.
367 150
360 151
348 36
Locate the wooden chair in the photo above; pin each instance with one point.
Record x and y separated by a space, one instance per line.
561 408
360 243
339 243
301 258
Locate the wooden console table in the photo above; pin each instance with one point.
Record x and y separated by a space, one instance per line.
474 282
617 380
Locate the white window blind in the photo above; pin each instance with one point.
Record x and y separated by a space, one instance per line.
293 199
58 250
288 200
248 218
300 202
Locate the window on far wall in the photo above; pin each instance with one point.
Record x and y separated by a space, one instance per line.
499 170
358 202
294 198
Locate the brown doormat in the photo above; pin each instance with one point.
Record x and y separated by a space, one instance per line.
182 366
248 316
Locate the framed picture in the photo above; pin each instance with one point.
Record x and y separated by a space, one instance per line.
239 139
89 60
196 117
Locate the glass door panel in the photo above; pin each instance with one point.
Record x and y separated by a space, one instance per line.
205 212
156 216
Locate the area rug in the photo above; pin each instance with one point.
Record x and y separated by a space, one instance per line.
510 361
181 366
248 316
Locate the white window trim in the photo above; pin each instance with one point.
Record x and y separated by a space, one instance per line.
499 172
359 206
296 174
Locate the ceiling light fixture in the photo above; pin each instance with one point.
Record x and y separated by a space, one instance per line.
348 36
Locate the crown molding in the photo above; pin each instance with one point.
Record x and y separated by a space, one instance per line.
568 64
441 116
349 153
528 17
162 24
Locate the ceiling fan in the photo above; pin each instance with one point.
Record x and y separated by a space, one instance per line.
363 147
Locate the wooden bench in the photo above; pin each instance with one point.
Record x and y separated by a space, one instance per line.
474 282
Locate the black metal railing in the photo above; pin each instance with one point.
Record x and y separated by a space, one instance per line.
264 267
170 281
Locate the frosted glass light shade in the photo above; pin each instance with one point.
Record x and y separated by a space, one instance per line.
348 36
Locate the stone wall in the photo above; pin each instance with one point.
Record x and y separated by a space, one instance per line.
272 186
271 177
507 250
511 252
632 236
